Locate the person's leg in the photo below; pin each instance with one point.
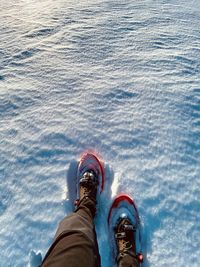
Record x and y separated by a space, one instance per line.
75 242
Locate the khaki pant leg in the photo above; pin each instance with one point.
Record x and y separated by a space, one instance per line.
75 242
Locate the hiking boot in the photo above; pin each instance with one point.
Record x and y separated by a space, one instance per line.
125 240
89 181
88 185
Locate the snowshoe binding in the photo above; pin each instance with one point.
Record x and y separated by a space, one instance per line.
125 232
90 178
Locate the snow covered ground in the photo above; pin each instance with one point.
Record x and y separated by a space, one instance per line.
121 77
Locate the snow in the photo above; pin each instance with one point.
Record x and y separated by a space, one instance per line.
122 78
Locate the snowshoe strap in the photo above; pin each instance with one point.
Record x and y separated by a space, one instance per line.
126 228
87 179
87 182
120 235
129 227
138 256
127 252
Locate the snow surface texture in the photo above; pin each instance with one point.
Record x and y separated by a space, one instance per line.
121 77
